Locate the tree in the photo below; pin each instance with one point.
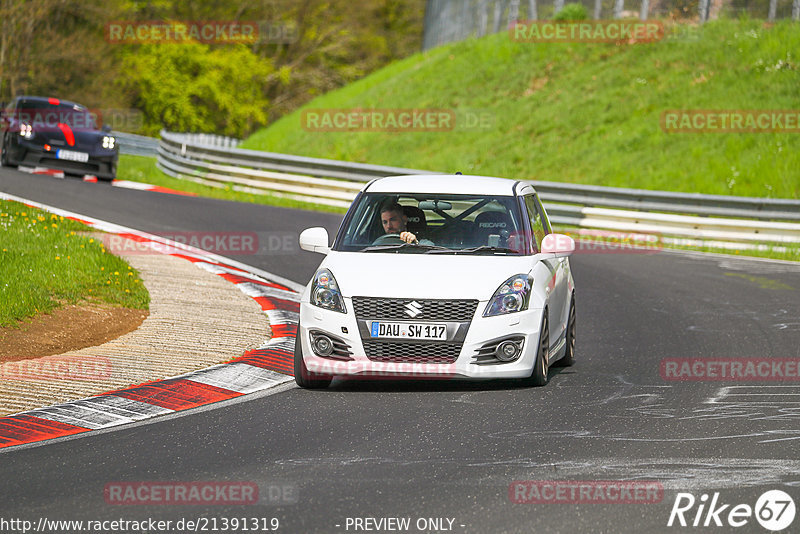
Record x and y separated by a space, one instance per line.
193 88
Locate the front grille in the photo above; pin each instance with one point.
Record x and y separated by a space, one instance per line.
390 351
430 310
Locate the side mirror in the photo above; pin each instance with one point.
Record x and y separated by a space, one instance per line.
559 244
315 240
106 128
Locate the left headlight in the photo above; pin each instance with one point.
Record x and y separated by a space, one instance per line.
109 142
512 296
325 292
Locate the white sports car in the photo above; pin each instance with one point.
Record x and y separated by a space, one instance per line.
438 276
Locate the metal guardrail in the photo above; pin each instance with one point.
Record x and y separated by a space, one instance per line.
137 145
336 183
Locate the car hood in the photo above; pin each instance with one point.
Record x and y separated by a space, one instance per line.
431 276
82 139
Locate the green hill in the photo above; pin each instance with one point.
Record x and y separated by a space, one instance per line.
583 113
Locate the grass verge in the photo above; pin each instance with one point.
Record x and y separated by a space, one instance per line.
46 262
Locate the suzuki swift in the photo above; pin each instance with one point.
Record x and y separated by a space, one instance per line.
438 276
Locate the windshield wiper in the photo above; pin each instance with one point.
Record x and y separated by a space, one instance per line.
482 249
403 246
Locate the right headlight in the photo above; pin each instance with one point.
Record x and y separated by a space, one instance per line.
26 130
325 292
512 296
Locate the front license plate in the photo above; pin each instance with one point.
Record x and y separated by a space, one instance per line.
427 331
83 157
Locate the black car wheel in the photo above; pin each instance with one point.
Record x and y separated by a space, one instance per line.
4 153
569 355
304 377
542 364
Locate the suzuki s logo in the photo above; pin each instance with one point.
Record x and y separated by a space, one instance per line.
413 308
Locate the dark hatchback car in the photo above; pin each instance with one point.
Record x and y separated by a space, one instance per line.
48 132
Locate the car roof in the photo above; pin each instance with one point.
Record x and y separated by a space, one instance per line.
47 99
448 183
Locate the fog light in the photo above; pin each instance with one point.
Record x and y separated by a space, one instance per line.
322 345
507 351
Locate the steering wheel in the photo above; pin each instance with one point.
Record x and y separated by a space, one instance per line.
388 239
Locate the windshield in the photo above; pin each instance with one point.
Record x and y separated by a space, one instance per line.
442 224
45 116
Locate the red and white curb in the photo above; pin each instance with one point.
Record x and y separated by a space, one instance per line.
127 184
265 367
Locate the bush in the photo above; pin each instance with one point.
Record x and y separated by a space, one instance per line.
572 12
194 88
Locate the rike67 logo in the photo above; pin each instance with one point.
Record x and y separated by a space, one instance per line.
774 510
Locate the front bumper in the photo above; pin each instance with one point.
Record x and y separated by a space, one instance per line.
479 331
102 162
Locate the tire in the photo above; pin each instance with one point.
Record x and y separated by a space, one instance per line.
4 154
303 377
569 353
539 374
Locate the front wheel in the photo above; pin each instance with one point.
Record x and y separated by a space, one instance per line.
569 352
4 153
541 366
304 377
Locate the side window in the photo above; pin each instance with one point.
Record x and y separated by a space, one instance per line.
547 228
538 224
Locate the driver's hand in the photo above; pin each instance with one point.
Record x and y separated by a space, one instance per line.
408 237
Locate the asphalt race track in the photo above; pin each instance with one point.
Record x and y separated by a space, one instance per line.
451 449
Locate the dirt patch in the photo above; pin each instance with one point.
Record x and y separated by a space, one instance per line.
70 327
